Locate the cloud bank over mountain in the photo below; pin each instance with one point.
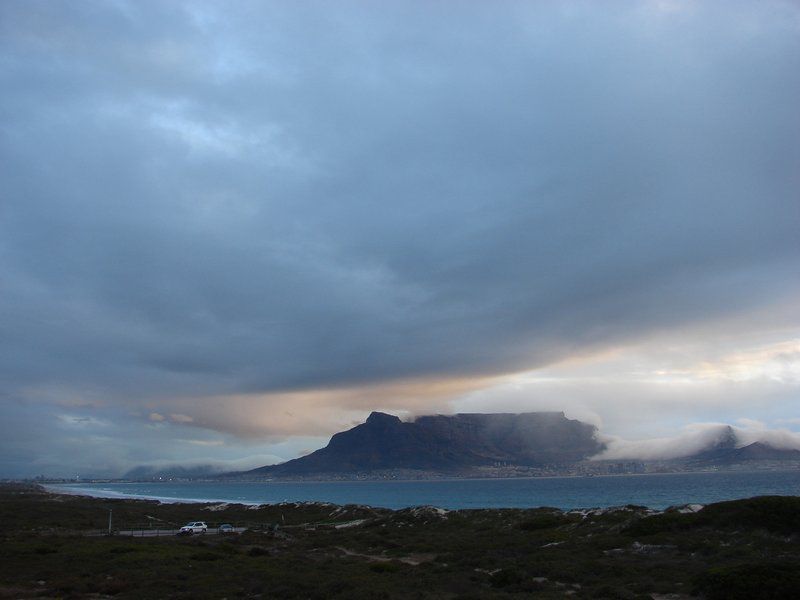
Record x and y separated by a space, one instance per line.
696 438
272 219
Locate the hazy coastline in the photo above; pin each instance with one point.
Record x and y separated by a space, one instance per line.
652 490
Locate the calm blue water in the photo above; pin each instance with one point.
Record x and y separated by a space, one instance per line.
655 491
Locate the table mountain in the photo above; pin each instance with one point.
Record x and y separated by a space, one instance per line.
448 443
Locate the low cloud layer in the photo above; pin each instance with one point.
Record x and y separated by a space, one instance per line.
210 215
695 438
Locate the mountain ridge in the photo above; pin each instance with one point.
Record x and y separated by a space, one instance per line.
448 443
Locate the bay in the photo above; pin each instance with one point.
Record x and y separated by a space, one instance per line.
656 491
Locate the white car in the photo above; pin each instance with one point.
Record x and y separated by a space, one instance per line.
194 527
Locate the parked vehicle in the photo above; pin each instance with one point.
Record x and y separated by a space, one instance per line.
226 528
193 527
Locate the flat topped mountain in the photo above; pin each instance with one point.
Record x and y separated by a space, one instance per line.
448 443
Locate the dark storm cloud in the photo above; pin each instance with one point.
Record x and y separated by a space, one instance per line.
281 196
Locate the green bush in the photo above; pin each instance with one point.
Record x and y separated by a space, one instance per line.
663 523
761 581
778 514
257 551
205 556
385 567
543 521
505 577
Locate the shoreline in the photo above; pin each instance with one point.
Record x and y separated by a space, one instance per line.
315 503
657 493
451 479
110 495
443 479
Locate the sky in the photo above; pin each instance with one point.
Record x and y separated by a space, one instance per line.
229 232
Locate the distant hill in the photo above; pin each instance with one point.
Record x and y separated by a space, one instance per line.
726 450
719 449
171 471
763 451
448 443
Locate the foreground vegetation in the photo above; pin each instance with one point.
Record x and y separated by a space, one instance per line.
50 548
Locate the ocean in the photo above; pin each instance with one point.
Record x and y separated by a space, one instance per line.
656 491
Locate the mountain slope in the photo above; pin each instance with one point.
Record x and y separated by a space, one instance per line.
731 455
448 443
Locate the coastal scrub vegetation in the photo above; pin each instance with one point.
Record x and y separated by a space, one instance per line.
52 547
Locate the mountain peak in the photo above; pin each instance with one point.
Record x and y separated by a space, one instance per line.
449 443
379 418
727 439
